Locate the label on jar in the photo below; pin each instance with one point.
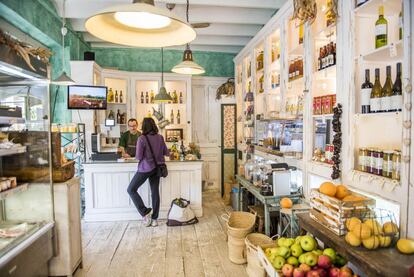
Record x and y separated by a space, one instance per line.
387 166
396 102
362 161
378 163
375 104
386 103
365 96
381 30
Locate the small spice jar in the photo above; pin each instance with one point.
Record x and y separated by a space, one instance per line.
378 155
387 164
396 165
362 159
371 161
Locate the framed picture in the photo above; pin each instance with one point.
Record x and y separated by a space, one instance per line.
173 135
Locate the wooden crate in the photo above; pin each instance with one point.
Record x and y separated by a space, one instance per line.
56 150
264 261
333 213
64 173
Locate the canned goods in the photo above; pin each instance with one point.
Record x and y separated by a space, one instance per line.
378 156
362 159
387 164
371 161
396 165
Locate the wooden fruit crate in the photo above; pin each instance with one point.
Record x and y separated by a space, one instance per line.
332 212
64 173
264 261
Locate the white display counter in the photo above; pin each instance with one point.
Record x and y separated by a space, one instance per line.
106 197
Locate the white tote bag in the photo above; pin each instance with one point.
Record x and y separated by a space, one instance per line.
180 213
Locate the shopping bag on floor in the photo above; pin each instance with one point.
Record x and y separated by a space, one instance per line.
180 213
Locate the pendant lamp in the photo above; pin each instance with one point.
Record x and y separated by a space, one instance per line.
140 24
63 79
162 96
188 66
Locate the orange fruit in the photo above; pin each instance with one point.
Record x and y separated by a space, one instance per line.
328 188
286 203
342 192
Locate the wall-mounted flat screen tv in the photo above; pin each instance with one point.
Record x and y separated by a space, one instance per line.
87 97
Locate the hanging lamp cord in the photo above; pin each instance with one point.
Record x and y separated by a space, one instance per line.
188 6
63 35
162 66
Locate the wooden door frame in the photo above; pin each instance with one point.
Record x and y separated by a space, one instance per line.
223 151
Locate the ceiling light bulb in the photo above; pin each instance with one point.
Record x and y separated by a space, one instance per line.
142 20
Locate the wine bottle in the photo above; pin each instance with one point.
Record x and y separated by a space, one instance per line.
400 23
146 97
366 89
121 97
116 96
334 52
375 100
142 97
111 115
172 116
152 97
325 57
386 92
178 117
110 97
381 29
118 117
320 59
301 31
396 98
181 97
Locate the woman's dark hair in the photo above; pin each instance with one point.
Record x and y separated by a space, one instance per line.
149 126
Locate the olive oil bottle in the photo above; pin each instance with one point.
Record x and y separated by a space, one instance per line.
396 98
366 89
375 101
381 29
386 92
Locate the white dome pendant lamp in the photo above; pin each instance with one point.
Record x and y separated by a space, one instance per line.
63 79
188 66
140 24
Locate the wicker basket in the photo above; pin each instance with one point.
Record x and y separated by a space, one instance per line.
239 224
237 250
253 241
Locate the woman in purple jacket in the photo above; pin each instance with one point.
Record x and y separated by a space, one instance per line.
147 170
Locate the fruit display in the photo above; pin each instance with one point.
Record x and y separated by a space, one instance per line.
332 204
406 246
300 257
370 233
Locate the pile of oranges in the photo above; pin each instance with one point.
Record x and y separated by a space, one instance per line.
340 192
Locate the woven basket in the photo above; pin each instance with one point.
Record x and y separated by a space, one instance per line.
239 224
253 241
237 250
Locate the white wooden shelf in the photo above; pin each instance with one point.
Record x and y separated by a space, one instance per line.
383 54
115 103
296 82
320 169
370 8
326 73
326 34
13 151
298 163
396 115
322 116
297 51
275 66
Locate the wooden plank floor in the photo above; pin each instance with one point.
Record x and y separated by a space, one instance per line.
128 249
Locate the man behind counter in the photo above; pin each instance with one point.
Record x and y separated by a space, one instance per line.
128 141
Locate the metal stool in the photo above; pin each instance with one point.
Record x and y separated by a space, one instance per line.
288 224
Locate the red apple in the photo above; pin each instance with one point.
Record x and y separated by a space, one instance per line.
334 272
322 272
305 268
287 270
313 273
324 261
345 272
297 272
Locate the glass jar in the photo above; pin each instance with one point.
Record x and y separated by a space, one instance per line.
396 165
378 156
362 159
387 164
371 164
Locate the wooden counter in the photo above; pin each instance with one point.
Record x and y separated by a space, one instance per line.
385 262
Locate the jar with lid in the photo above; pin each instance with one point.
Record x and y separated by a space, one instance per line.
362 159
396 165
387 164
378 156
371 161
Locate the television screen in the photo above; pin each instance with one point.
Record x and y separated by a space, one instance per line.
87 97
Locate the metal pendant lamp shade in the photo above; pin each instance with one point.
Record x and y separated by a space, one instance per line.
188 66
162 96
63 80
140 24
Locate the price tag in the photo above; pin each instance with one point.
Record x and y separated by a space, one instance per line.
393 50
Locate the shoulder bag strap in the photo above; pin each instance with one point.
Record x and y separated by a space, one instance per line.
152 153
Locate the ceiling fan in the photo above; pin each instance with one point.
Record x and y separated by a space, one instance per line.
200 25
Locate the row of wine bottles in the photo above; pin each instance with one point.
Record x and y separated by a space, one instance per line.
115 97
387 98
327 56
149 98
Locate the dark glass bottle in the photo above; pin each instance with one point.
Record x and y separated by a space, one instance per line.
366 89
396 98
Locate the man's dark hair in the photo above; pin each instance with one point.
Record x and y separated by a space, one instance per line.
149 126
133 120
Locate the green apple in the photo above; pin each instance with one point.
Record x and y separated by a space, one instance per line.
311 259
283 251
281 241
302 258
308 243
340 261
293 261
278 262
297 240
330 253
318 252
289 242
296 250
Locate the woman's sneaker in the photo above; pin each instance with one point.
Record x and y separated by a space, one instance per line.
147 219
154 223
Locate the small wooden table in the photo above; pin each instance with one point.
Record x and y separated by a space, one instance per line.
270 203
385 262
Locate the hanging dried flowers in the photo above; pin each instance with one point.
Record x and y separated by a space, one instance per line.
226 89
304 10
24 50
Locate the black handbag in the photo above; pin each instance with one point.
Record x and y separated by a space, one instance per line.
162 170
